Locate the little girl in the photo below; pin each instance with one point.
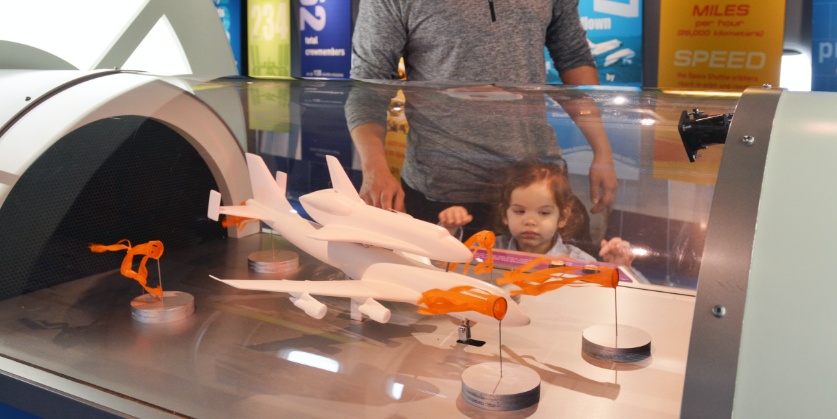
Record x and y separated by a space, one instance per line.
535 207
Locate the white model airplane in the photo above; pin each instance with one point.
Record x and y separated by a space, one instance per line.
344 217
375 247
603 47
624 55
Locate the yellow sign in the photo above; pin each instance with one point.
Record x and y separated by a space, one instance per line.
720 44
269 38
268 106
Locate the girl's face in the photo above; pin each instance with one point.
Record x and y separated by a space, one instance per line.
534 218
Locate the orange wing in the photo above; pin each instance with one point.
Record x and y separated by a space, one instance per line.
544 280
481 240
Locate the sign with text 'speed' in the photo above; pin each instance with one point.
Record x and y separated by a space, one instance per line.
720 44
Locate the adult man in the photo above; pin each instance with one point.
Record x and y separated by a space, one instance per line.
473 42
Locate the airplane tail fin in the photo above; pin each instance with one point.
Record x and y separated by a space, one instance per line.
214 210
340 181
267 190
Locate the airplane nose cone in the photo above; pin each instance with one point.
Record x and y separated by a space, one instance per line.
458 252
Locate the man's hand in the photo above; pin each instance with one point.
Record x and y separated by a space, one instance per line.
585 113
381 189
603 184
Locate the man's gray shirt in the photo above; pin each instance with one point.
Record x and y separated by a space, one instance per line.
457 40
457 146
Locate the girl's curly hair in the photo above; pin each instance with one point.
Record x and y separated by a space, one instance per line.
526 172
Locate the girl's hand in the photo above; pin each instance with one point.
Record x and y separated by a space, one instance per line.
454 217
617 251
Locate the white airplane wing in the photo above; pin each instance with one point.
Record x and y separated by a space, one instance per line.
345 288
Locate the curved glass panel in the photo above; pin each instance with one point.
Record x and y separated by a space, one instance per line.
623 172
452 143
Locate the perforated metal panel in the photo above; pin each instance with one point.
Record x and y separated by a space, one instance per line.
117 178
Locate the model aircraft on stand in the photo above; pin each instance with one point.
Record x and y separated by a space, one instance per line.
386 253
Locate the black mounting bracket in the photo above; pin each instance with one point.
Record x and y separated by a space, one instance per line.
698 130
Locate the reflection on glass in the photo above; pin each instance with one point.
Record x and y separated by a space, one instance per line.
451 143
396 390
311 360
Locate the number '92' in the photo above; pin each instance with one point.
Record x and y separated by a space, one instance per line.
315 20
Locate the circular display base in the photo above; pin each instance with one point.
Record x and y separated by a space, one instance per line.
171 307
518 388
603 342
273 261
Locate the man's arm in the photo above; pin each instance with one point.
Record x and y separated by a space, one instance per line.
585 113
580 76
380 188
377 46
378 41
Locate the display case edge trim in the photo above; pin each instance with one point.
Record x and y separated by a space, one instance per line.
709 387
33 390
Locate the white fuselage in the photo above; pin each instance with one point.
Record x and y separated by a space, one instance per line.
372 263
390 229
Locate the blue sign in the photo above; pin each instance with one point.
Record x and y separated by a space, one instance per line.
325 29
614 33
230 13
824 46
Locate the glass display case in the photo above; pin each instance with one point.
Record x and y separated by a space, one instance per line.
105 156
